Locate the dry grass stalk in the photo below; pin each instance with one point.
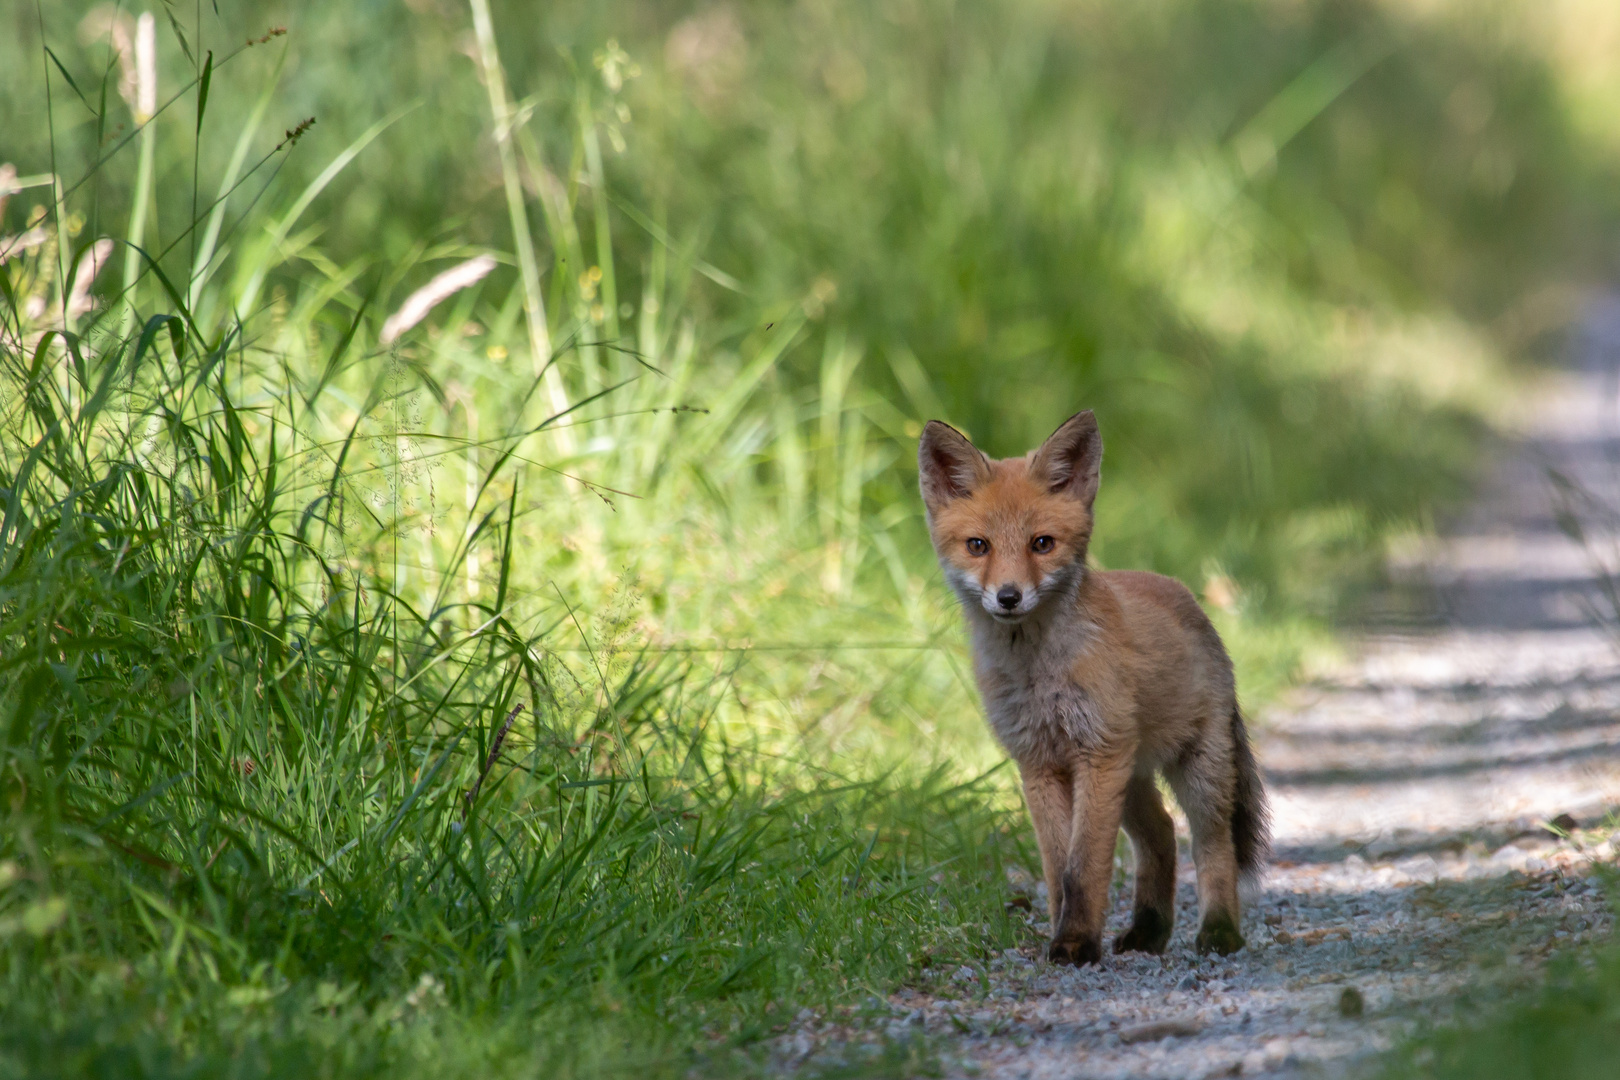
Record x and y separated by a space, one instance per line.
442 287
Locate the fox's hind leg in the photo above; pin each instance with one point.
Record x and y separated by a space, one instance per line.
1204 780
1153 837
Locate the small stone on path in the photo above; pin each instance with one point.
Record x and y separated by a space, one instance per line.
1159 1029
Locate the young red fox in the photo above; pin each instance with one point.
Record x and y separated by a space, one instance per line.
1094 680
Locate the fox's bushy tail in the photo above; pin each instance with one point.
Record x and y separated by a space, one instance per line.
1251 814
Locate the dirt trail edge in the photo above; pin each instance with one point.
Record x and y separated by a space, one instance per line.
1411 792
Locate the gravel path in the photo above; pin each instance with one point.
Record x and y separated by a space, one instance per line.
1411 790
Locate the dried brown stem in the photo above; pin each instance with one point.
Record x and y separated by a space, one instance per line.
489 761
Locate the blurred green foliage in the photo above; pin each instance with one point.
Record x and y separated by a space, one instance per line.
1253 236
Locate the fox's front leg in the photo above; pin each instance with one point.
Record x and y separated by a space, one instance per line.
1049 795
1099 794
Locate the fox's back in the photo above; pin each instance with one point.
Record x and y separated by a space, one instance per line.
1180 668
1157 605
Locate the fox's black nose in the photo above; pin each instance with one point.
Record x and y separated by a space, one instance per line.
1008 596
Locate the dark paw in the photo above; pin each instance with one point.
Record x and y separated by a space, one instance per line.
1078 953
1149 933
1219 935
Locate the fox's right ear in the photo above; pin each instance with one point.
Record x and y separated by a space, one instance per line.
948 465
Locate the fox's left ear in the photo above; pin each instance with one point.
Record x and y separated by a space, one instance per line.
1070 461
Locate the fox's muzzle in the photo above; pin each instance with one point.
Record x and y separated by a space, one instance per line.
1009 602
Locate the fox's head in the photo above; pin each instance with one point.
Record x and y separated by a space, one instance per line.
1014 532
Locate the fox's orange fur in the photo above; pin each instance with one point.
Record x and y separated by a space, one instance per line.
1094 681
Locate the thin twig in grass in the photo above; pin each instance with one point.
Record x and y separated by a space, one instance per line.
95 166
489 761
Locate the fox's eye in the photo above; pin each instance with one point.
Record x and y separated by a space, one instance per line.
977 546
1041 545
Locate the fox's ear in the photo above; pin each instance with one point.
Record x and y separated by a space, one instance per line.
948 466
1070 461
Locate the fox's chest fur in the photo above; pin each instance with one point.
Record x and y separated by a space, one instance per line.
1026 674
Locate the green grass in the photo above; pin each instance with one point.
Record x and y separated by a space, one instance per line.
271 594
1562 1022
1566 1027
270 589
242 828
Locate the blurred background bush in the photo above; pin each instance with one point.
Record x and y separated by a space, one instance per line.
1284 249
